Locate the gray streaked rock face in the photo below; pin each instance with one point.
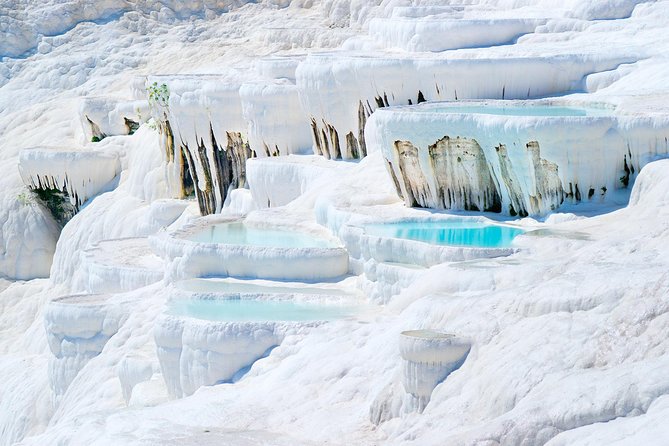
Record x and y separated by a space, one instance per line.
416 189
463 176
515 202
455 173
227 172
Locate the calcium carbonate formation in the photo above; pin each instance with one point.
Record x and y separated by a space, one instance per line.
235 205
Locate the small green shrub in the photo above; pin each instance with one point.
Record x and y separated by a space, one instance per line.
159 95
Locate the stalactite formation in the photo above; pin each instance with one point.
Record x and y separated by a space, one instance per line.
62 202
416 189
213 182
463 176
516 203
454 173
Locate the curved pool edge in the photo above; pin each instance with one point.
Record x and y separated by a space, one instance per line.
188 259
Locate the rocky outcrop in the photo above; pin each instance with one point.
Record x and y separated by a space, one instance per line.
463 176
212 181
515 201
456 174
416 191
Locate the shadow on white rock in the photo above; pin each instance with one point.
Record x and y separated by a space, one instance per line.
77 328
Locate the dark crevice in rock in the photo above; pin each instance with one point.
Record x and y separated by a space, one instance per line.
396 182
192 169
326 145
363 114
421 98
237 152
95 131
208 206
227 173
185 169
625 179
317 138
334 140
352 146
168 140
57 198
130 126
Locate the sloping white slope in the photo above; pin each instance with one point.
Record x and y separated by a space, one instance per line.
568 336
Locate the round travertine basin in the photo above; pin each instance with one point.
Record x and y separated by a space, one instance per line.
428 358
120 265
228 247
77 328
432 346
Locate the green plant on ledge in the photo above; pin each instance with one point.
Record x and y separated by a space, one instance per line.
159 95
57 202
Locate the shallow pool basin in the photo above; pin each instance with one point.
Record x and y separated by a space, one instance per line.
453 233
207 341
238 233
251 310
425 242
227 247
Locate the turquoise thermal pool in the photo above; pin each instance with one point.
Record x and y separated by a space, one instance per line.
450 233
518 110
240 234
218 286
251 310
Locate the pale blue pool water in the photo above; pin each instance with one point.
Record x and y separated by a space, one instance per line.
237 233
521 110
250 310
206 286
455 233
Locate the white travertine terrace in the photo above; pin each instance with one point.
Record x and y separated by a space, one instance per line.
440 34
276 123
503 156
80 173
341 90
195 353
101 117
276 181
187 259
77 329
120 265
